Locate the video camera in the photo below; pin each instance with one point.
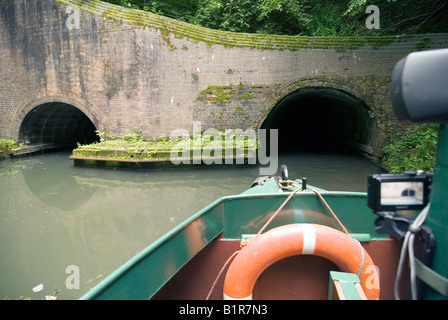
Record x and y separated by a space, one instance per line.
419 95
395 192
394 197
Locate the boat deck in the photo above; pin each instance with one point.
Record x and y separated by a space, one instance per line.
184 263
295 278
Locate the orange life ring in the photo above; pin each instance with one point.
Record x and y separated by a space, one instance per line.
295 239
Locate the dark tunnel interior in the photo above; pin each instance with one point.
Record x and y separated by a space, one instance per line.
57 123
319 120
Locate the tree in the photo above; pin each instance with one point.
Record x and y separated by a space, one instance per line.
303 17
262 16
405 16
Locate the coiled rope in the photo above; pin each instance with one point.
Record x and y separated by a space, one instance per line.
287 185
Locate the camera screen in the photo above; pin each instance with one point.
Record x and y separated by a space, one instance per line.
402 193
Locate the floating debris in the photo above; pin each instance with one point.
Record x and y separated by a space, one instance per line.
38 288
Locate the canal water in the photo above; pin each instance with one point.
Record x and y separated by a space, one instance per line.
57 220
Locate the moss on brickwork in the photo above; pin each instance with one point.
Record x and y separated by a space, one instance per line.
425 43
225 38
217 94
226 94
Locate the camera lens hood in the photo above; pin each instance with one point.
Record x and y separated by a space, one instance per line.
419 87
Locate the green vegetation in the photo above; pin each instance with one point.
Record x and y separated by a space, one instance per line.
274 24
226 94
288 25
246 96
302 17
218 94
7 146
415 150
132 146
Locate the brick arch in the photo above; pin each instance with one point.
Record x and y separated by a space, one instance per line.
364 135
79 104
127 68
284 90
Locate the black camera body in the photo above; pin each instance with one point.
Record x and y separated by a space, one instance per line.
402 191
418 87
392 196
419 95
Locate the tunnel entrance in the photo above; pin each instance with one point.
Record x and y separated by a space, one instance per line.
320 120
56 125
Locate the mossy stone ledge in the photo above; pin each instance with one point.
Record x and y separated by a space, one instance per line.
180 29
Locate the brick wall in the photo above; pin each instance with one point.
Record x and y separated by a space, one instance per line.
127 69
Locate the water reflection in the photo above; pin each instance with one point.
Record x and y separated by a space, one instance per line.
53 214
48 187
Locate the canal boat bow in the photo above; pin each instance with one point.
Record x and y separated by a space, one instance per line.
283 239
191 261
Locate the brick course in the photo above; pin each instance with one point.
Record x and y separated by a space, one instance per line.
123 75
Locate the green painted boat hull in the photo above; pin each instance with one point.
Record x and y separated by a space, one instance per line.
232 217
